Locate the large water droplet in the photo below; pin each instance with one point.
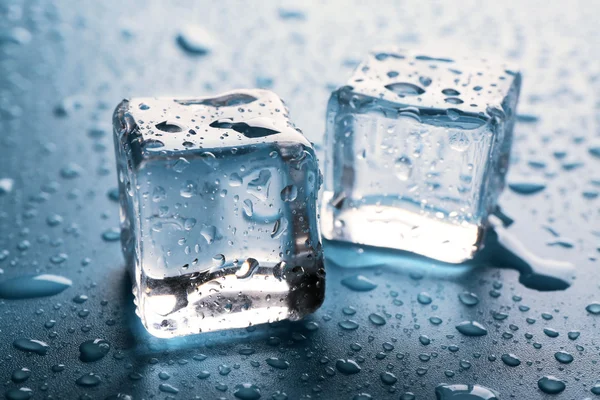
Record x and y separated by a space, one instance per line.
247 391
27 287
347 367
593 308
278 363
32 346
93 350
511 360
195 40
403 89
551 385
464 392
359 283
527 188
471 328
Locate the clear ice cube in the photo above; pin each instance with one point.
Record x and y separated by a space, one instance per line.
417 152
218 212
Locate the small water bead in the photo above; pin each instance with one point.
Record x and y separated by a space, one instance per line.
593 308
203 374
563 357
349 310
376 319
435 320
388 378
20 375
551 385
195 40
71 171
358 283
471 328
403 168
348 325
22 393
468 298
511 360
424 298
573 335
32 346
247 391
93 350
80 299
278 363
225 369
527 188
58 368
424 340
596 388
111 235
88 380
551 332
347 367
166 388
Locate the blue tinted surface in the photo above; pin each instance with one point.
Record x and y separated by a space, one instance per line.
64 67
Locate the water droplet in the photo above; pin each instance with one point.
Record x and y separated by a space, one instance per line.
111 235
18 394
347 367
388 378
460 391
71 171
93 350
278 363
403 168
511 360
235 180
20 375
551 385
468 298
450 92
453 100
209 233
180 165
424 298
376 319
471 328
563 357
348 325
88 380
289 193
251 128
166 388
195 40
527 188
6 186
358 283
573 335
27 287
593 308
403 89
249 267
247 391
551 332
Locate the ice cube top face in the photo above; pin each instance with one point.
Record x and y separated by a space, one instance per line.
218 212
417 151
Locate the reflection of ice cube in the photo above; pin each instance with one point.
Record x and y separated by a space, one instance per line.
218 201
417 152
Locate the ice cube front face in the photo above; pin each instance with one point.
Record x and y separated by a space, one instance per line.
417 152
218 212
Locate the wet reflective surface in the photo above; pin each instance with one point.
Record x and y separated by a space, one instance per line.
392 325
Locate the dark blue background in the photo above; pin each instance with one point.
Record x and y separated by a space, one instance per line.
65 65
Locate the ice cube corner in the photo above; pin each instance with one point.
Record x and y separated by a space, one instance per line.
218 212
417 149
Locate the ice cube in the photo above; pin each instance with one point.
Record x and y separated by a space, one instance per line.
417 152
218 212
